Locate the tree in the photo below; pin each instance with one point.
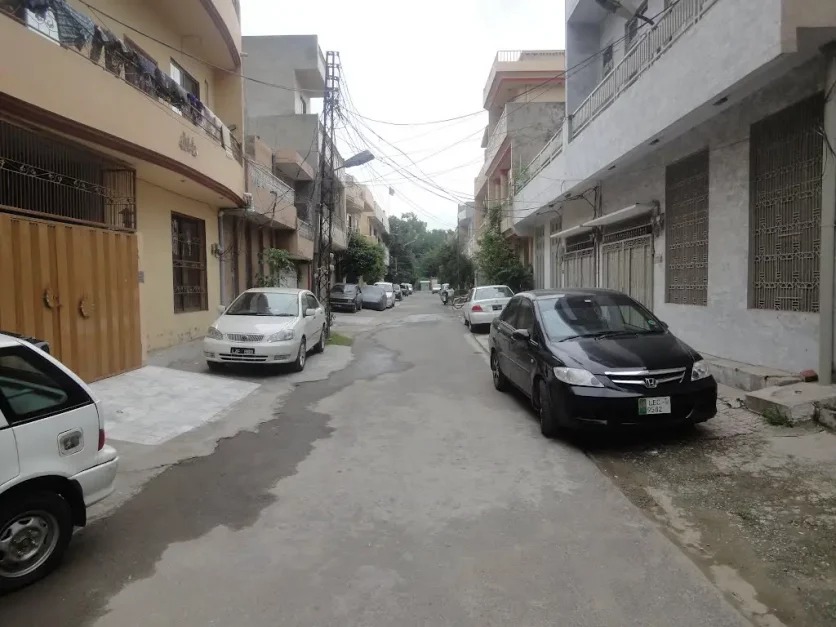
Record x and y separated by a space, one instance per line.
363 258
496 260
277 266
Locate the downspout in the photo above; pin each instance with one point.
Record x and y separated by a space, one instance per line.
221 254
828 223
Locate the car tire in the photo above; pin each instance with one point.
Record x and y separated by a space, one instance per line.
354 308
549 420
214 366
500 382
320 345
301 358
49 514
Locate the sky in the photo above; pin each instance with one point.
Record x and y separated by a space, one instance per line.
412 63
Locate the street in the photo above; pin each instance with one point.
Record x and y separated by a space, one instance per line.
401 489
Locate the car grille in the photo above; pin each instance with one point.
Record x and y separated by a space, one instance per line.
244 337
242 358
647 379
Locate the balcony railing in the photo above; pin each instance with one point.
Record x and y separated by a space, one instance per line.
495 141
552 148
515 56
305 229
102 48
649 47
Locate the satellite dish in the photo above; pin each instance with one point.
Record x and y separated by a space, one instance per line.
623 8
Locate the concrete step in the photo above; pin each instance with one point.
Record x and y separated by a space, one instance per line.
794 403
746 376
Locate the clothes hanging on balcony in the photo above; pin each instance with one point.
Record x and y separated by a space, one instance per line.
175 94
211 123
74 28
227 141
195 111
38 7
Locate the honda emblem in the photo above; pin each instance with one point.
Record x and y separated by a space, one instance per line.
651 382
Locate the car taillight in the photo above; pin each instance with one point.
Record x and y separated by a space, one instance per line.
476 308
102 438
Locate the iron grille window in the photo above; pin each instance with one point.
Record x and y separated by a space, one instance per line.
785 208
686 231
188 248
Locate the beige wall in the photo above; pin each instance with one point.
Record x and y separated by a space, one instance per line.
556 93
161 327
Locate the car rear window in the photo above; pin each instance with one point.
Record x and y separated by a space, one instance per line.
337 289
483 293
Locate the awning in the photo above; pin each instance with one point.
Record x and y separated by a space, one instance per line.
622 214
571 231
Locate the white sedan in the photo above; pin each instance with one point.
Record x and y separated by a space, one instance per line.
484 304
269 325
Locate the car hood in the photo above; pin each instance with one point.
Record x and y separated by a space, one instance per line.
650 352
253 324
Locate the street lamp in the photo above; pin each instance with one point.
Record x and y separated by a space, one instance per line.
359 159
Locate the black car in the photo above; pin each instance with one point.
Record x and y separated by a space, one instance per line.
374 297
346 296
597 357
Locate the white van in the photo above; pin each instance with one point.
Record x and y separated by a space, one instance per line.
54 462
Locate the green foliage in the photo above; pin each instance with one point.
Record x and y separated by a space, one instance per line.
363 258
412 249
449 263
496 260
337 339
776 417
277 265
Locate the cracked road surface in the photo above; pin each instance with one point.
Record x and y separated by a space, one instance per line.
403 490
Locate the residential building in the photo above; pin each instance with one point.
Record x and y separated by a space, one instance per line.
119 145
467 235
525 99
282 119
689 172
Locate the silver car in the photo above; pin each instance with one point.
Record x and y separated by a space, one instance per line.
390 293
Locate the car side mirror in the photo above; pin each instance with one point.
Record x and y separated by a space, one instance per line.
221 309
664 325
522 335
310 313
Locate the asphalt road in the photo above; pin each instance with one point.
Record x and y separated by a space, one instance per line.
402 490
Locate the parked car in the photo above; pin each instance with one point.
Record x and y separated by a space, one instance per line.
346 297
484 304
410 288
54 462
390 292
436 288
374 297
398 291
597 357
267 325
406 288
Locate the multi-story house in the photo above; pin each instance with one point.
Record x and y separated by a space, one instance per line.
467 237
525 99
120 135
689 173
289 71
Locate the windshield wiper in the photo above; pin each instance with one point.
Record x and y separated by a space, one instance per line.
580 335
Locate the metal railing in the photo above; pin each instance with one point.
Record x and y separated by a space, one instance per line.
104 49
543 158
514 56
305 229
648 47
500 132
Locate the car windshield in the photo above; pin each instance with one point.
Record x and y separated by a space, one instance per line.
570 316
264 304
496 291
343 289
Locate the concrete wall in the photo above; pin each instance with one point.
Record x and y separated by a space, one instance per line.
161 327
288 132
530 125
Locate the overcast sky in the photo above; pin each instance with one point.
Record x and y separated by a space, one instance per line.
416 62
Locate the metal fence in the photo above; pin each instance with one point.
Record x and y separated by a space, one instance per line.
543 158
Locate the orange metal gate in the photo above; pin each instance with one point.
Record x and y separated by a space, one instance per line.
75 287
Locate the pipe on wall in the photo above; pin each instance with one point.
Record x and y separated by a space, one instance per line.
221 255
828 224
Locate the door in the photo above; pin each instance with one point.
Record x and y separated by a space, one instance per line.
55 423
313 324
627 262
578 262
502 337
76 287
9 467
521 349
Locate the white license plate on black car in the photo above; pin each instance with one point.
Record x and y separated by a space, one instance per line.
655 405
242 351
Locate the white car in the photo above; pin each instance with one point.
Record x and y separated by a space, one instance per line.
267 325
390 293
484 304
54 462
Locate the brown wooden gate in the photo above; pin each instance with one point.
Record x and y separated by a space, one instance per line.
75 287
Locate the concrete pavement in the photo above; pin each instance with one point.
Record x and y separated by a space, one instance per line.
399 490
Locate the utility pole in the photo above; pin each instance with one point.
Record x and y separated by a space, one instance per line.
327 185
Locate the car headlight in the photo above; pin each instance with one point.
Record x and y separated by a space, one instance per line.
214 334
577 376
699 370
281 336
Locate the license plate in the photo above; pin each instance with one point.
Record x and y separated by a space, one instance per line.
497 307
242 351
655 405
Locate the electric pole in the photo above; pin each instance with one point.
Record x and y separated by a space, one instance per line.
327 185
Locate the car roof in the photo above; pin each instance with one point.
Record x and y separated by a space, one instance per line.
575 291
8 340
277 290
479 287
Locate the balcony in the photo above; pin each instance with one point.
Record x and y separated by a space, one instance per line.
533 64
131 115
273 200
299 243
339 240
495 142
291 164
551 150
354 198
381 218
214 26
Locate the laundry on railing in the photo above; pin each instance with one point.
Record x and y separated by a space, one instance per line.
74 28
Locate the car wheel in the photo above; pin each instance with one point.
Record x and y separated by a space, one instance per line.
354 308
549 422
214 366
35 530
499 380
320 345
301 358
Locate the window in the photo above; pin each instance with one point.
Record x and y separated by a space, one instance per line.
686 231
631 28
31 387
184 79
188 247
525 316
608 60
509 314
785 197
